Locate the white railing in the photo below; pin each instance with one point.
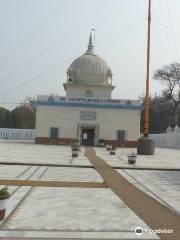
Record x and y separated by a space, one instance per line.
17 134
52 98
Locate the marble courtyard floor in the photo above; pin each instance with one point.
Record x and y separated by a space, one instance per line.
81 213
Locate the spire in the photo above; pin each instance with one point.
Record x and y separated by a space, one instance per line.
90 45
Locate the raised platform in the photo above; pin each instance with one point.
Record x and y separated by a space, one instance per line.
145 146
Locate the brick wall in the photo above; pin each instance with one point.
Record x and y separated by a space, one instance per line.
68 141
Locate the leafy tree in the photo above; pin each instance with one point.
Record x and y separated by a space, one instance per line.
24 115
4 118
161 115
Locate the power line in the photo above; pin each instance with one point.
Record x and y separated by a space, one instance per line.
129 28
171 23
67 60
167 35
165 26
32 33
158 43
55 42
36 76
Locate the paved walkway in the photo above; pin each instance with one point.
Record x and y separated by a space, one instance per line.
156 215
163 158
162 185
80 213
61 213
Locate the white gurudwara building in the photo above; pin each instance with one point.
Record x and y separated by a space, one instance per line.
88 113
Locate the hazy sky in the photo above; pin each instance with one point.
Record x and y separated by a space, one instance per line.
40 38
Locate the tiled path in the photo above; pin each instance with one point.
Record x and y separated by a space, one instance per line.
151 211
79 213
162 185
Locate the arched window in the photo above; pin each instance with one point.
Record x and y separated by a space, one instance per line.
89 93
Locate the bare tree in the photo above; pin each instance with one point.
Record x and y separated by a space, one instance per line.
169 76
30 103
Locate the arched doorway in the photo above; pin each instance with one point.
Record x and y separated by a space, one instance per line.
88 137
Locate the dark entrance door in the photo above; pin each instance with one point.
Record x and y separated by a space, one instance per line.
88 137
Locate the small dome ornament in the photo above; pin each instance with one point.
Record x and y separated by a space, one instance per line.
109 75
69 74
169 129
176 129
109 72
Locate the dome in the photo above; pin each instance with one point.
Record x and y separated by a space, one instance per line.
89 69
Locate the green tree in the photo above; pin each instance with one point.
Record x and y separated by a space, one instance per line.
5 118
23 116
161 115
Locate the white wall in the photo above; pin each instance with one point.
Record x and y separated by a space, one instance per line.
67 119
77 90
168 140
17 134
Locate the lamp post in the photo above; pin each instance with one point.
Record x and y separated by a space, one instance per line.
145 145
